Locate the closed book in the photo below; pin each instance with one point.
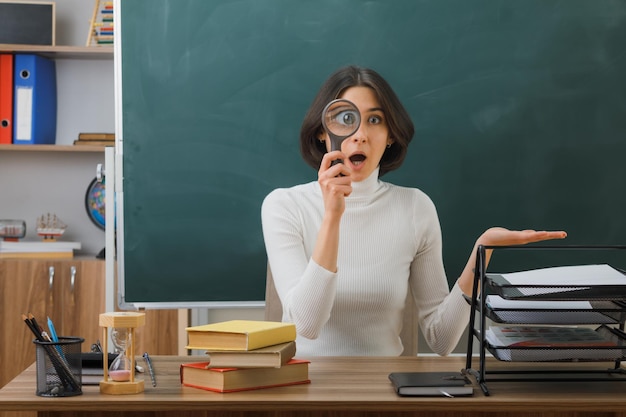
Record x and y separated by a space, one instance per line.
273 356
38 247
36 255
199 375
91 142
431 384
92 376
96 136
239 335
91 367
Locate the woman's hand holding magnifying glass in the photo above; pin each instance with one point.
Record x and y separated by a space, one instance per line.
335 182
341 119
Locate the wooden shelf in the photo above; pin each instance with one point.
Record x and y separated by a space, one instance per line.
56 52
51 148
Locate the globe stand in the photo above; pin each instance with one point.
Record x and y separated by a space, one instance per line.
121 323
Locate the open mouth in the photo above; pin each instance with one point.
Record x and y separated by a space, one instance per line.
357 159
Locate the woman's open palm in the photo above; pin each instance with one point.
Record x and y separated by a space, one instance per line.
499 236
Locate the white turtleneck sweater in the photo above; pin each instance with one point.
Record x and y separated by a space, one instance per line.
389 238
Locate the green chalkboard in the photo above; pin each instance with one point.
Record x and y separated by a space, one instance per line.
519 107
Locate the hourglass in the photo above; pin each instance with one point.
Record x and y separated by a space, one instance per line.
120 369
119 378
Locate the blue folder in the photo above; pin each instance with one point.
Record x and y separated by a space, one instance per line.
35 100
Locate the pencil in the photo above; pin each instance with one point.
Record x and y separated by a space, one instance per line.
31 327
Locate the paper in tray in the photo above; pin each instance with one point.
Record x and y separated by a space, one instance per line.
561 352
530 311
580 282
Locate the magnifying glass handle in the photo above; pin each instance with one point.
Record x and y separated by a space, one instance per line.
335 162
335 145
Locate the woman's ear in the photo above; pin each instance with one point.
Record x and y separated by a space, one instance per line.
322 138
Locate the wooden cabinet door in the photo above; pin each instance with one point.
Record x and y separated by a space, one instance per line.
69 291
26 286
83 299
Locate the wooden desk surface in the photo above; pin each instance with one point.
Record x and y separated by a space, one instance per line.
340 387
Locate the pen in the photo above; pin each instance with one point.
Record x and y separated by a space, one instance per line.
53 335
53 332
146 357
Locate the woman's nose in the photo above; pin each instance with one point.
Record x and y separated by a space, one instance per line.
360 135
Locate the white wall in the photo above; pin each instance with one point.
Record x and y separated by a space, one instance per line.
35 183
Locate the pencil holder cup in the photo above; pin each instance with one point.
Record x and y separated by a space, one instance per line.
59 367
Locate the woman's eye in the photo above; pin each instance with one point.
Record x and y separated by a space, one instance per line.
348 118
374 120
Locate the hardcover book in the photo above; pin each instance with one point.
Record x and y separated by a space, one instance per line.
239 335
199 375
273 356
431 384
96 136
38 249
80 142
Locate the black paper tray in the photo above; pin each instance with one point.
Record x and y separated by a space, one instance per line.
603 312
499 285
565 354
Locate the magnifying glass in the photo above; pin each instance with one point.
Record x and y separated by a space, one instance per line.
341 119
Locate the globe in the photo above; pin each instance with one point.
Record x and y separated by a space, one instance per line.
94 202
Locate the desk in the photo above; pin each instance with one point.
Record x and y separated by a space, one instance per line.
347 386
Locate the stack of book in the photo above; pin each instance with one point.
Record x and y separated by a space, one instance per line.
45 249
244 355
95 139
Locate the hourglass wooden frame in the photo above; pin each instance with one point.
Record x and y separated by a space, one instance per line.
130 321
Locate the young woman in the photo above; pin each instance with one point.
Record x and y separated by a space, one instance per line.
345 249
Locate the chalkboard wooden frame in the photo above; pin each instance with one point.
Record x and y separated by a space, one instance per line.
518 106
